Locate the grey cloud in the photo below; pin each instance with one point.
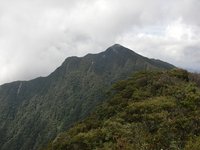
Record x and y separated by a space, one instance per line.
192 53
36 36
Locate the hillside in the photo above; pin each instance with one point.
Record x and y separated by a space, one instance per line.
151 110
34 112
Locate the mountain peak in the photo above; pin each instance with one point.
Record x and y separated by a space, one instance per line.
119 49
116 46
113 51
115 55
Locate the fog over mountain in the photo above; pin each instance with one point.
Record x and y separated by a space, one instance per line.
36 36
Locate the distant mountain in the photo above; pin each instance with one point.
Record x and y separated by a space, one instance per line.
34 112
148 111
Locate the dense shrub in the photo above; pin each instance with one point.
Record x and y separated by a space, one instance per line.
149 111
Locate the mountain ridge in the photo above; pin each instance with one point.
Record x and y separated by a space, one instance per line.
116 48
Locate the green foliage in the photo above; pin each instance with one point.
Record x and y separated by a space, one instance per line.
195 77
148 111
193 143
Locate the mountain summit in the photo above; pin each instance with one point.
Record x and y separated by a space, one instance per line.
34 112
115 59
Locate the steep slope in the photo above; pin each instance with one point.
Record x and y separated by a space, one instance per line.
148 111
33 112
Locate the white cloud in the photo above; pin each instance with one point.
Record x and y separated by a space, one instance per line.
175 43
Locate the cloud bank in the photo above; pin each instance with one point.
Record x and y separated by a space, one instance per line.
36 36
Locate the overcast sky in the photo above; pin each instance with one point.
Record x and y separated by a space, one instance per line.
37 35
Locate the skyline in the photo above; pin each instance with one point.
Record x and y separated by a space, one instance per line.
37 36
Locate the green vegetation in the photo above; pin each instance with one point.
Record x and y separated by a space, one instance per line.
148 111
33 112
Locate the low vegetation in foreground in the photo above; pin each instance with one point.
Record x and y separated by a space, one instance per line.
148 111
